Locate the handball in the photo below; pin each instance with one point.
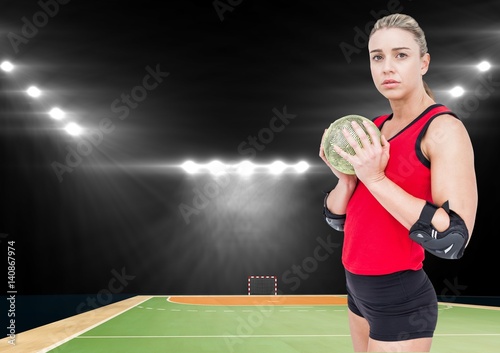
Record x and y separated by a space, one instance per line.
334 136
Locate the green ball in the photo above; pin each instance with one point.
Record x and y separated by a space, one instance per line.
334 136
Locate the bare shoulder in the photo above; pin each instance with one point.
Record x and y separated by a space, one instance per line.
443 132
447 120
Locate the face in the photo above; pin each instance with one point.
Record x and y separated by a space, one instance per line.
395 63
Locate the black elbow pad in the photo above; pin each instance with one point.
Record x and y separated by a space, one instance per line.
335 221
449 244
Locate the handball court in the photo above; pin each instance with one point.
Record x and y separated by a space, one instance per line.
251 323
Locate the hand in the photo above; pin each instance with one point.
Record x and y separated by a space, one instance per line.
341 176
370 159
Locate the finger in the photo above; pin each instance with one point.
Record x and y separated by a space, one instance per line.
342 153
383 141
374 134
361 133
322 154
350 139
323 158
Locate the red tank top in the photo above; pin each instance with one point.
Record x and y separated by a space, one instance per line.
375 243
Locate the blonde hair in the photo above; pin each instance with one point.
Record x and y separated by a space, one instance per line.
407 23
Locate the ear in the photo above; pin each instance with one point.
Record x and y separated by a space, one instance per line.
426 59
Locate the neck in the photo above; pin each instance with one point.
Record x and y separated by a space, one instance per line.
409 108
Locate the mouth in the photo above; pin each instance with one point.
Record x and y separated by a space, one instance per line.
390 84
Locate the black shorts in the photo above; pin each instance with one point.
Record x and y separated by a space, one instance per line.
399 306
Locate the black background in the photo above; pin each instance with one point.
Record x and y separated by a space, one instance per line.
119 209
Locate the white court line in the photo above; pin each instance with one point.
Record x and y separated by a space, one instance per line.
78 335
213 336
467 334
270 336
44 350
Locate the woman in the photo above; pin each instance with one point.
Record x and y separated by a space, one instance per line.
422 166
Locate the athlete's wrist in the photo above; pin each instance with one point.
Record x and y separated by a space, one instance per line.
347 184
376 181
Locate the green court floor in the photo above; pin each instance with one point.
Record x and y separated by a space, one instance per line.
158 325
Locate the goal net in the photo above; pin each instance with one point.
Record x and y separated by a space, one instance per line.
262 285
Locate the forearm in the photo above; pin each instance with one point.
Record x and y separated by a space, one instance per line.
338 198
402 205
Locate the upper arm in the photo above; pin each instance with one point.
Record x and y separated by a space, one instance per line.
449 149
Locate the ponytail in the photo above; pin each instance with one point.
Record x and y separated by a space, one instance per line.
428 91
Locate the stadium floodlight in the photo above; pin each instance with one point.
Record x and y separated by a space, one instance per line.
33 91
73 129
217 167
483 66
6 66
245 168
190 167
457 91
277 167
301 167
57 114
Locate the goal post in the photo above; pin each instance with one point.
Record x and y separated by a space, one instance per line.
262 285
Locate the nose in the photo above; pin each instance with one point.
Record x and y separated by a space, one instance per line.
388 65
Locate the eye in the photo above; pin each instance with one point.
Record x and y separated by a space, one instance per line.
377 57
401 55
